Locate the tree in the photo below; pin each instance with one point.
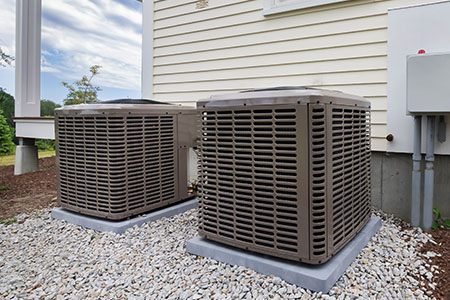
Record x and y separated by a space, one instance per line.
48 108
7 111
7 106
6 136
82 91
5 59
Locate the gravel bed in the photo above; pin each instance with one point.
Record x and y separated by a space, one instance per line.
41 258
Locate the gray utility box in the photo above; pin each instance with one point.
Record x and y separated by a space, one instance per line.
428 83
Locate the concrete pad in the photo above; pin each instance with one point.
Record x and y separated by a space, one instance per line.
319 278
121 226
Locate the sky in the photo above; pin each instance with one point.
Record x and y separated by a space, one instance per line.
77 35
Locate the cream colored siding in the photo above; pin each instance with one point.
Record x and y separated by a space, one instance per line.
231 46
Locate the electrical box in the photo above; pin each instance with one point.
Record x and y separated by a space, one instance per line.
428 83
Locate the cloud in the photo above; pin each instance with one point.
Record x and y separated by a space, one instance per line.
7 26
79 34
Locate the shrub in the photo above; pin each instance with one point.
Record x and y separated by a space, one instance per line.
45 145
7 106
6 136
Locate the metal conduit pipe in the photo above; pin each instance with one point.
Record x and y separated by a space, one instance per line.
416 173
429 175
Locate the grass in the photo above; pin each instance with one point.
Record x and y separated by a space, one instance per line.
8 221
48 153
9 159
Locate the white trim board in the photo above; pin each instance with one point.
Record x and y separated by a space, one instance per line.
37 129
278 6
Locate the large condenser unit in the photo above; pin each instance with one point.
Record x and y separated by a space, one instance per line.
284 171
120 158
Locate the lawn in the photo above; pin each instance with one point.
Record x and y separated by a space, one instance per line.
9 159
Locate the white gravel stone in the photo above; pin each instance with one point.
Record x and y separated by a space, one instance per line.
50 259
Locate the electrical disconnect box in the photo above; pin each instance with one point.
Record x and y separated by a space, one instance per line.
428 83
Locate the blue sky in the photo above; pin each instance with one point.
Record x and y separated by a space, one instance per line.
77 35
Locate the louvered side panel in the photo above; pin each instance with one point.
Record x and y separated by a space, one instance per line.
116 166
349 154
252 179
318 182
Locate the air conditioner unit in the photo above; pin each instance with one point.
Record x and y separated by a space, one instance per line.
120 158
284 171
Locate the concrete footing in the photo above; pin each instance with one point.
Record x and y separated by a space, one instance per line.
121 226
26 159
392 184
319 278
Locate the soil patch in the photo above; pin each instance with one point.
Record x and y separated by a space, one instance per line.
27 192
442 247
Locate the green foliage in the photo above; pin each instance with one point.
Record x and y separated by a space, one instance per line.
48 108
45 145
7 106
3 187
82 91
8 221
7 111
439 222
6 136
5 59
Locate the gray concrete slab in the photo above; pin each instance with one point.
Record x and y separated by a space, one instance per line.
121 226
319 278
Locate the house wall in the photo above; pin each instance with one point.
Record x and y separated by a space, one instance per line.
230 45
410 29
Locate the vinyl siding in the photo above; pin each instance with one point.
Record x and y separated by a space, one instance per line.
230 46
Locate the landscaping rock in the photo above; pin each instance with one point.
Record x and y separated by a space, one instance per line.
42 257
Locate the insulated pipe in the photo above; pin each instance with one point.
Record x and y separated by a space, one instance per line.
429 175
416 173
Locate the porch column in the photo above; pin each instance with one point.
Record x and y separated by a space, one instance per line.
147 50
28 72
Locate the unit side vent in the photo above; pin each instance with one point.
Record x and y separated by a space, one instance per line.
350 149
114 166
249 179
318 181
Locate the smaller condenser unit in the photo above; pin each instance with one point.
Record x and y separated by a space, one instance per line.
120 158
284 171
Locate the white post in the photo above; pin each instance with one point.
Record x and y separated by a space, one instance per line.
28 58
147 49
28 72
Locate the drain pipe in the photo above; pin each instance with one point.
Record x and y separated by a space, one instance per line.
417 172
429 175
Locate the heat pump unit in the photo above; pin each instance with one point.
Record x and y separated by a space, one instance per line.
284 171
120 158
